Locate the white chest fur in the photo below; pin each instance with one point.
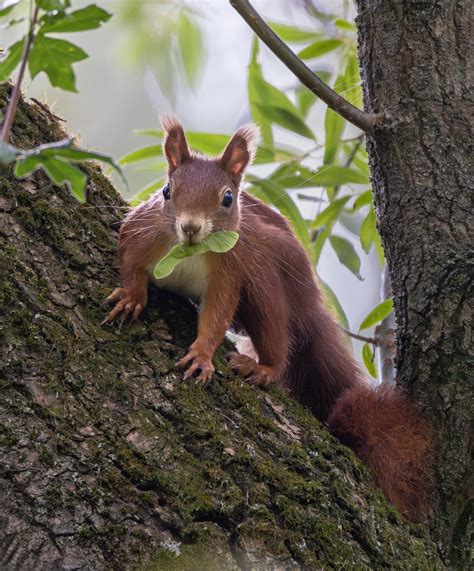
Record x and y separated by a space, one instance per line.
189 278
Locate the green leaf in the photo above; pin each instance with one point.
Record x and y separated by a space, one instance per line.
279 197
319 48
293 34
285 119
7 6
59 172
88 18
142 154
378 314
319 243
55 57
254 75
52 157
368 231
379 249
363 199
345 25
346 253
305 100
10 60
190 44
50 4
335 304
331 213
334 126
368 358
209 143
219 242
334 175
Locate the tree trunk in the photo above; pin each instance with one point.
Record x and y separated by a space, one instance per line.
111 461
416 59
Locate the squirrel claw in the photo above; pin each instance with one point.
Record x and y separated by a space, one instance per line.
201 367
263 377
128 303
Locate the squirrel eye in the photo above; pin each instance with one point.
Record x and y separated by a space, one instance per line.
167 191
228 199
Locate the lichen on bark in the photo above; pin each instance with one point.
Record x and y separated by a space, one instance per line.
111 461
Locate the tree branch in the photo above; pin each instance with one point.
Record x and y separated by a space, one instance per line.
365 121
15 96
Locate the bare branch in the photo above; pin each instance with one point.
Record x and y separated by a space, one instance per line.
365 121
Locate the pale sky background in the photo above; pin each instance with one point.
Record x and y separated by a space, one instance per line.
114 100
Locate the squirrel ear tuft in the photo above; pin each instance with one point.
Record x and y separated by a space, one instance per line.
240 151
175 145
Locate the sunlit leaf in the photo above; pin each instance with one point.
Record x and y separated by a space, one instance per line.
319 48
219 242
190 44
88 18
335 304
293 34
368 231
378 314
331 213
10 60
334 126
346 254
55 57
368 358
379 249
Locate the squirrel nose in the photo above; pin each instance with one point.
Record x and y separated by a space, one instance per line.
190 228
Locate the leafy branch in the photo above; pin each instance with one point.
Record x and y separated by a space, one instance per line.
365 121
54 57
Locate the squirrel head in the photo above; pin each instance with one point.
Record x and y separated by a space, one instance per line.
202 193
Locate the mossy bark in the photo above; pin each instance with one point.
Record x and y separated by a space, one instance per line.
111 461
417 67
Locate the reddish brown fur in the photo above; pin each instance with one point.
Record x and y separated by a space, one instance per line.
266 284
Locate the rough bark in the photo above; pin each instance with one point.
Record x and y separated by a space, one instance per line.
416 60
111 461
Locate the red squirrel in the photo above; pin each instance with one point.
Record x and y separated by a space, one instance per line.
267 285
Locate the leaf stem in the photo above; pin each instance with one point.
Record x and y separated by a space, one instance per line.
365 121
371 340
15 96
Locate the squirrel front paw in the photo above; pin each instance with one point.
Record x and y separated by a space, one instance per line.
129 302
201 365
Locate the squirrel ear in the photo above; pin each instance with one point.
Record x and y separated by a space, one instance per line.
175 145
240 151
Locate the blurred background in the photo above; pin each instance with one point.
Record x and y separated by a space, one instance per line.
191 58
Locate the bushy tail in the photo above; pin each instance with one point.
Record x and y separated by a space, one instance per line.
385 429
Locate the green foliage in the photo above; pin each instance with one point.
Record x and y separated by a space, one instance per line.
368 358
57 160
378 314
218 242
53 56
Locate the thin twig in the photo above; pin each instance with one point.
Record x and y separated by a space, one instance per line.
365 121
371 340
15 96
350 158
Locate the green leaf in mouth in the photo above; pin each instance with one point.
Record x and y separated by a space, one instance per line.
218 242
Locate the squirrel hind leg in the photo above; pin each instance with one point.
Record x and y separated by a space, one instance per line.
249 368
